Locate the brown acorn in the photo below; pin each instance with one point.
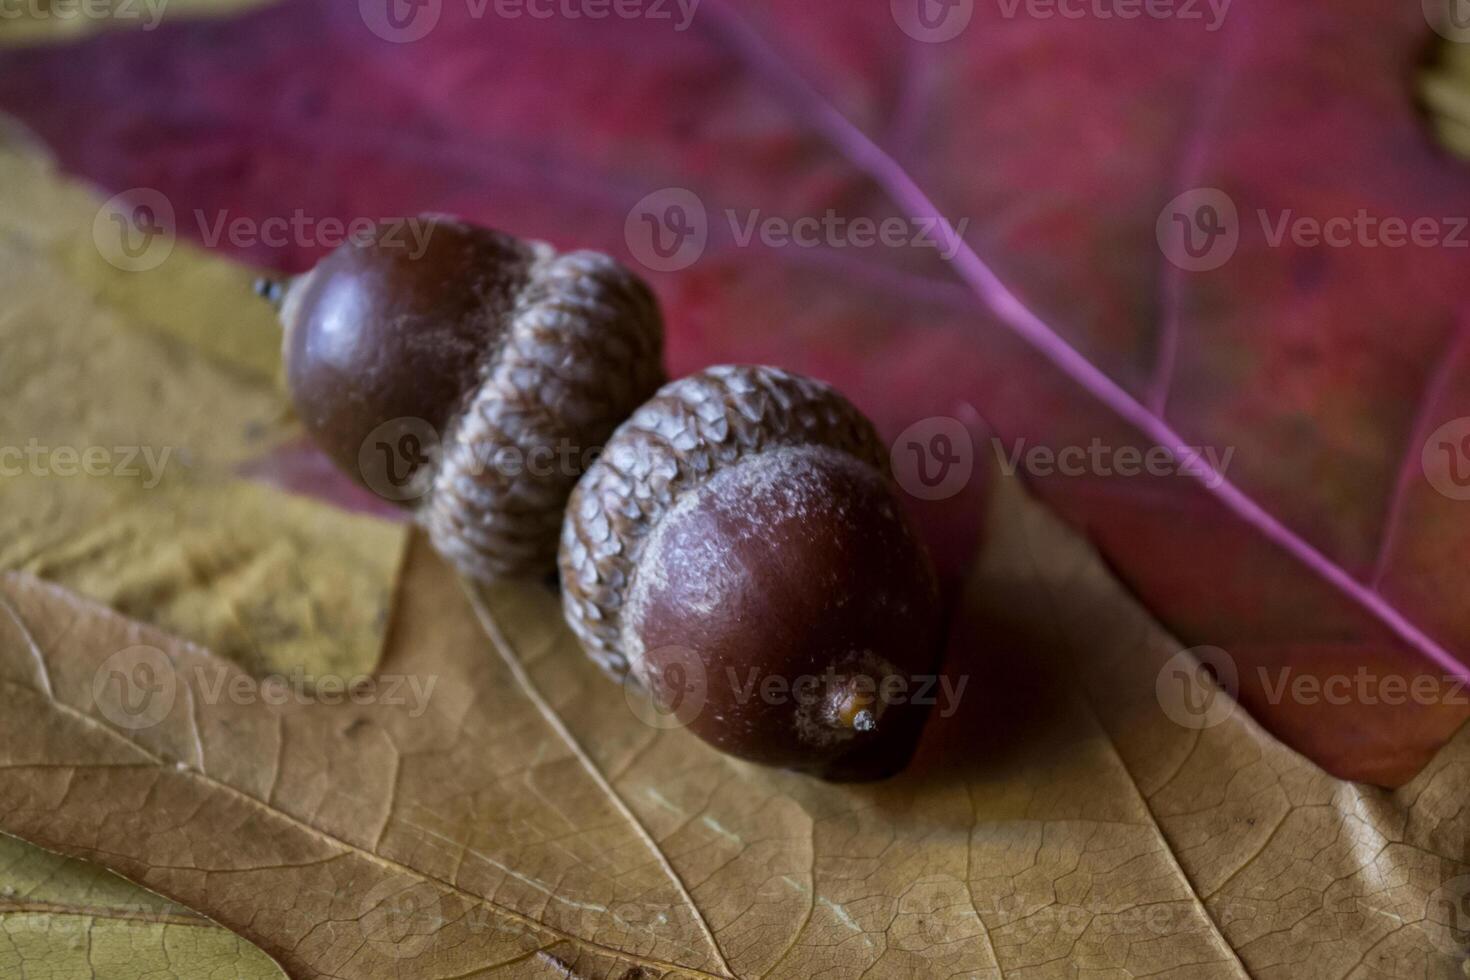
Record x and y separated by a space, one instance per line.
738 551
469 376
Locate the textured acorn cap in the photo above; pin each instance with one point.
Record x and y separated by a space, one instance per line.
582 348
519 360
693 428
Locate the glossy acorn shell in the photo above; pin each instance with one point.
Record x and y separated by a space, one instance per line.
377 331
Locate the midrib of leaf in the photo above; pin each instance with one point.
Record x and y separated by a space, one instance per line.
1049 595
154 761
533 694
864 153
103 912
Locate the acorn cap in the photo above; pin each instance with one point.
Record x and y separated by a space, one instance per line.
675 442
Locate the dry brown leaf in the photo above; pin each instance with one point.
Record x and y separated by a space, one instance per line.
528 821
304 821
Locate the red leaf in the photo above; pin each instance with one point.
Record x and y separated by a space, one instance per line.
1054 145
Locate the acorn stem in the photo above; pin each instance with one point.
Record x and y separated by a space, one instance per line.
273 291
851 706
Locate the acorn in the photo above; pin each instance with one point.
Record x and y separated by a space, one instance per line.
739 554
468 376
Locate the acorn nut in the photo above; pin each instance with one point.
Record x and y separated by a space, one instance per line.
738 551
468 375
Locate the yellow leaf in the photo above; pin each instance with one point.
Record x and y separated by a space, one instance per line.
52 225
61 918
133 400
45 21
126 484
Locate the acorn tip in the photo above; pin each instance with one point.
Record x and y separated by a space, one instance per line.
270 290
